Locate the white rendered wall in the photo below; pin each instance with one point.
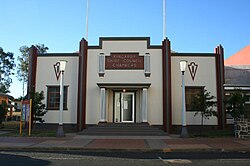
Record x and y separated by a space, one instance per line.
205 76
45 76
124 76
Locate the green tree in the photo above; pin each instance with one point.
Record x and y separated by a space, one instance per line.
38 108
7 65
3 112
235 104
23 59
22 68
204 104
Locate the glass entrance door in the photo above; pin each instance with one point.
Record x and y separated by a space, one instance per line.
124 107
127 110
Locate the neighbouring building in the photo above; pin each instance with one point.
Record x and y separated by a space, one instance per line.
8 99
237 76
127 80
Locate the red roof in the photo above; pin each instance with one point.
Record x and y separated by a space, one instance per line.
242 57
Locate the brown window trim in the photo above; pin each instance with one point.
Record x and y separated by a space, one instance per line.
48 98
192 87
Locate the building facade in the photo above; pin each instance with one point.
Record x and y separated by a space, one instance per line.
237 77
127 80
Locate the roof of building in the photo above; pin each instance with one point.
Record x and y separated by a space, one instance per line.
6 95
237 67
242 57
237 76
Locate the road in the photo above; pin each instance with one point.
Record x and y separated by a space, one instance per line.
75 158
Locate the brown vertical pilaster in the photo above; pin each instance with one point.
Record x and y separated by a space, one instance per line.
33 52
82 83
220 80
166 71
32 72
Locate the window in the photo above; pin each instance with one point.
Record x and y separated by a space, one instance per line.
53 97
190 93
147 64
247 98
101 64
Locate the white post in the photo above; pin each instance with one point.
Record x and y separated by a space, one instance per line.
61 99
184 132
164 19
145 105
103 105
184 121
87 20
60 132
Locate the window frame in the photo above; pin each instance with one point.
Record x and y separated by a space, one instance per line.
247 98
147 70
48 105
191 109
101 64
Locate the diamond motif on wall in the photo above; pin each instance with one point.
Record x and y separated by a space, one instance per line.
193 69
57 70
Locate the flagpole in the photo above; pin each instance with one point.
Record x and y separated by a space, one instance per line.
164 19
87 20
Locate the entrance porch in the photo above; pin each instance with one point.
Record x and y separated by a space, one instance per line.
123 103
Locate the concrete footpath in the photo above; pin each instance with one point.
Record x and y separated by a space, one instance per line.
170 143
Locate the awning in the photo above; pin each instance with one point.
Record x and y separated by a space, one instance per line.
123 85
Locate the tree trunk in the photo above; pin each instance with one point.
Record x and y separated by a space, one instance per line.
1 123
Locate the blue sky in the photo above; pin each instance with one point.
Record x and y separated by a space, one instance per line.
192 25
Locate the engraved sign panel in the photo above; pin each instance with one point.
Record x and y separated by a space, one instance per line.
124 61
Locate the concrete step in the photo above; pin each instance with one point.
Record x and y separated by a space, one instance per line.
123 129
123 134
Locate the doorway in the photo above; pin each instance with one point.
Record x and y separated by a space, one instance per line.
124 107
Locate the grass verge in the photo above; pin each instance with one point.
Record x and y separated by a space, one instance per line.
12 129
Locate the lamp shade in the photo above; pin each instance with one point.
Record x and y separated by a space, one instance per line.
62 65
183 64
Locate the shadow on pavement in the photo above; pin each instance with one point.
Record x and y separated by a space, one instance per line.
17 160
